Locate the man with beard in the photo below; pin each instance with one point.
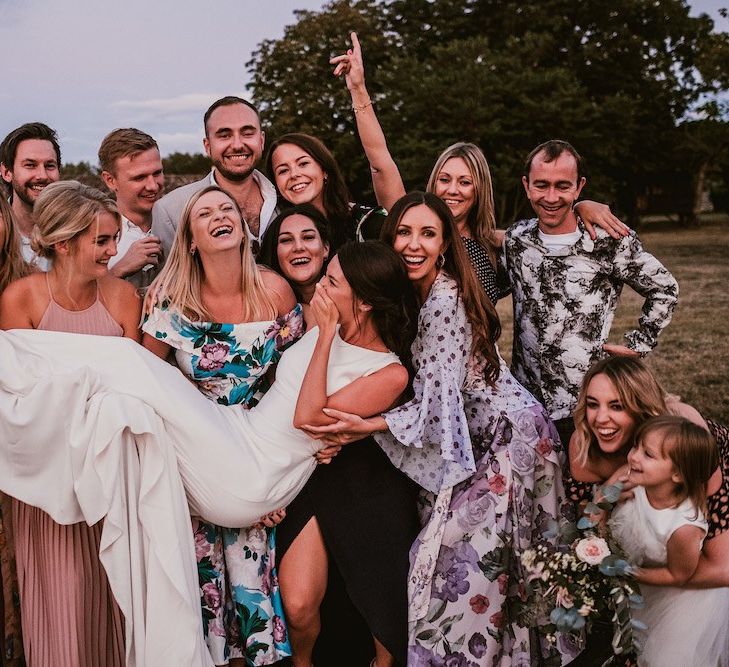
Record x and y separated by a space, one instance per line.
132 169
234 142
30 159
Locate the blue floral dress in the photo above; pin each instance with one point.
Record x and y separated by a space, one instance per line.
489 461
241 604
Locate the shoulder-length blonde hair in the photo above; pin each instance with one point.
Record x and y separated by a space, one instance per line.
12 264
481 218
639 392
180 281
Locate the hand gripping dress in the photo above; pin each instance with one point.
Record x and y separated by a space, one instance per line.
98 427
489 461
242 613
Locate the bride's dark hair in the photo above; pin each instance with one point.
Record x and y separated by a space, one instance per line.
378 277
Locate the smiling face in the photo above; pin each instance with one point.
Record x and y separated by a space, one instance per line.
301 252
419 241
650 465
454 185
553 188
35 167
215 224
234 141
299 178
92 249
339 291
137 181
610 422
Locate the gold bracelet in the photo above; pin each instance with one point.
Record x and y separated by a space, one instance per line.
357 109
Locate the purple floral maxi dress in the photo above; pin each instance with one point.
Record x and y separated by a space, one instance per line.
489 462
239 595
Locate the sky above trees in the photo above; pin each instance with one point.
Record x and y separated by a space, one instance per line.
86 67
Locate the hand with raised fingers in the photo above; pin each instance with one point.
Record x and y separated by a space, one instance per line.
350 65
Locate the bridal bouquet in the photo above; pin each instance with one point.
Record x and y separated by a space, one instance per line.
589 579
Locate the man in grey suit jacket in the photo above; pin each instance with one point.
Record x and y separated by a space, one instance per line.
234 142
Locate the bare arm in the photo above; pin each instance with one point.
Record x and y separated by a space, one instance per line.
594 214
156 346
14 310
683 559
386 178
364 397
713 569
128 307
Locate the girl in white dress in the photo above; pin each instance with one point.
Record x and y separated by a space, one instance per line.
662 529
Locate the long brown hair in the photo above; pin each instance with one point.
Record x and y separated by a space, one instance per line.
480 312
335 194
692 450
180 281
12 264
639 392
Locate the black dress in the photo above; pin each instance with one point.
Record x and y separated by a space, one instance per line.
495 282
366 509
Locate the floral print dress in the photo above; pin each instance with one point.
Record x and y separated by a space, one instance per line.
489 462
241 604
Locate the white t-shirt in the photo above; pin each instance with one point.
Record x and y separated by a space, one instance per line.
559 241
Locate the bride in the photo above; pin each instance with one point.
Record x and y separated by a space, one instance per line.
94 427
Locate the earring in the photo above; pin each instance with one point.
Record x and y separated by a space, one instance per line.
440 261
193 250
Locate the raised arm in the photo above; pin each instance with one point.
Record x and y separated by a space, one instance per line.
386 178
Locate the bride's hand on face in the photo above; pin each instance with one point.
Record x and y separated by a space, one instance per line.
325 312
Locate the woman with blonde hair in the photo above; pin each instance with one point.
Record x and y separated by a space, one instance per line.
619 394
12 267
226 321
12 264
460 177
69 615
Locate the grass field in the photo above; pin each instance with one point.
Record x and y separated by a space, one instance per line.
692 357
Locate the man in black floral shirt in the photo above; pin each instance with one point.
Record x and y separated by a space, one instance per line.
566 286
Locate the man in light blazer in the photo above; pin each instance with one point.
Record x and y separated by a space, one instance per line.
234 142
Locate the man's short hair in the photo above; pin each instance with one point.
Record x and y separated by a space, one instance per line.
552 150
9 146
227 101
123 142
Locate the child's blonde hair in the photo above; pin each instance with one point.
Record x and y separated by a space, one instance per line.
692 450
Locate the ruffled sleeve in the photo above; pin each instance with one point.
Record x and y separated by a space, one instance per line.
428 437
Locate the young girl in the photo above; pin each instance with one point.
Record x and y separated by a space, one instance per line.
662 529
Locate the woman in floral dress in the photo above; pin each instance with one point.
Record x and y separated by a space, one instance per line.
480 446
227 321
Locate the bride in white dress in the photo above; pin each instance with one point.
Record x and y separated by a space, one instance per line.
93 427
661 530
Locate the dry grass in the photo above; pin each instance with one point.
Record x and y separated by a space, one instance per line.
692 357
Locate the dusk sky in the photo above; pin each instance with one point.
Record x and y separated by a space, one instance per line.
85 67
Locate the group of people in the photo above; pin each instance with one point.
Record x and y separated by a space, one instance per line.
312 434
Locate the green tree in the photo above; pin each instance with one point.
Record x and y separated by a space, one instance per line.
614 78
186 163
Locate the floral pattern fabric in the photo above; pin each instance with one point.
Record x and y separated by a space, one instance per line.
564 302
240 600
489 461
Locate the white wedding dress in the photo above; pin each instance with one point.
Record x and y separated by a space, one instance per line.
685 627
96 427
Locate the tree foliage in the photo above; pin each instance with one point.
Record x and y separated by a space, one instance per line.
615 78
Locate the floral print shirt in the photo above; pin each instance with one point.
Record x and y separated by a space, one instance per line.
227 362
564 302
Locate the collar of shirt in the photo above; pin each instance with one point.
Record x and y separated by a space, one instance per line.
584 243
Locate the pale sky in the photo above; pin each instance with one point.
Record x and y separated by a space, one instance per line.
85 67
